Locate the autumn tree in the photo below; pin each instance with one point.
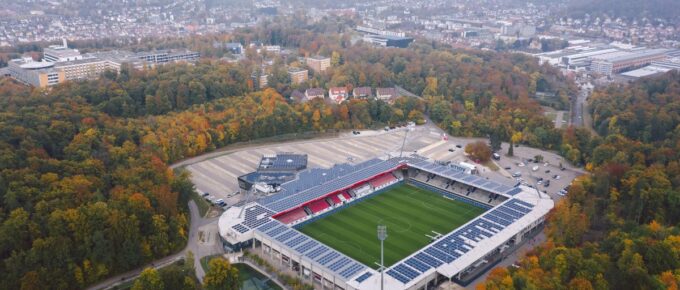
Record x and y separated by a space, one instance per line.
148 280
479 151
221 275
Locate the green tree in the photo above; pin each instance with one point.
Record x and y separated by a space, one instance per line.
221 275
149 279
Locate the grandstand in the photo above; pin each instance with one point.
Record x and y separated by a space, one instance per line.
500 217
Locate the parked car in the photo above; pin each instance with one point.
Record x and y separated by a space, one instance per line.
459 146
205 194
556 177
546 183
451 150
521 164
547 171
517 174
496 156
535 168
507 168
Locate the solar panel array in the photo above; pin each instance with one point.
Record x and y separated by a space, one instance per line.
454 245
254 217
331 259
307 188
283 161
364 276
240 228
456 173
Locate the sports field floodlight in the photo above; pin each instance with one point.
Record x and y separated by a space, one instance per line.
382 235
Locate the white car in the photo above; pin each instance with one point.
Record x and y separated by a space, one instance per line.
521 164
535 168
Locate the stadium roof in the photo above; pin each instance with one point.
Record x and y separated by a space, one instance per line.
449 255
457 174
304 188
462 247
283 162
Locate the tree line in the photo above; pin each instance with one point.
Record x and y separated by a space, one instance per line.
618 228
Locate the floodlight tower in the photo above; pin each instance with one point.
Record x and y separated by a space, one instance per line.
382 235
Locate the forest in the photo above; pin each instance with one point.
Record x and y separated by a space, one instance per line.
619 226
86 192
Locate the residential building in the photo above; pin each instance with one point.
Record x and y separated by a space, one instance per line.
337 94
318 63
362 92
298 96
272 49
260 79
314 93
35 73
386 94
298 75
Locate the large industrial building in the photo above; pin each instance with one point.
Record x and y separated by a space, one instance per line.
604 59
616 62
271 226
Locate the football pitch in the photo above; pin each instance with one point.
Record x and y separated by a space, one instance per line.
410 214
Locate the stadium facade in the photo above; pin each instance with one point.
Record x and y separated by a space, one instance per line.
268 225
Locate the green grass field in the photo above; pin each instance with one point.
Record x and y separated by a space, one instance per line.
409 213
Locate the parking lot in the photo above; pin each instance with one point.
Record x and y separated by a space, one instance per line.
440 151
218 176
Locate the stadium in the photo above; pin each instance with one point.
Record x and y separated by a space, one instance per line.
442 224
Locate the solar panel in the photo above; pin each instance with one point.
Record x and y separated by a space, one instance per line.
240 228
351 270
363 277
522 203
398 276
339 264
307 246
324 260
268 226
297 241
276 231
287 235
406 271
316 252
418 265
427 259
514 191
439 255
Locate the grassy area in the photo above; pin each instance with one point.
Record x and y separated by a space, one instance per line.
491 165
410 214
206 259
202 204
551 115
